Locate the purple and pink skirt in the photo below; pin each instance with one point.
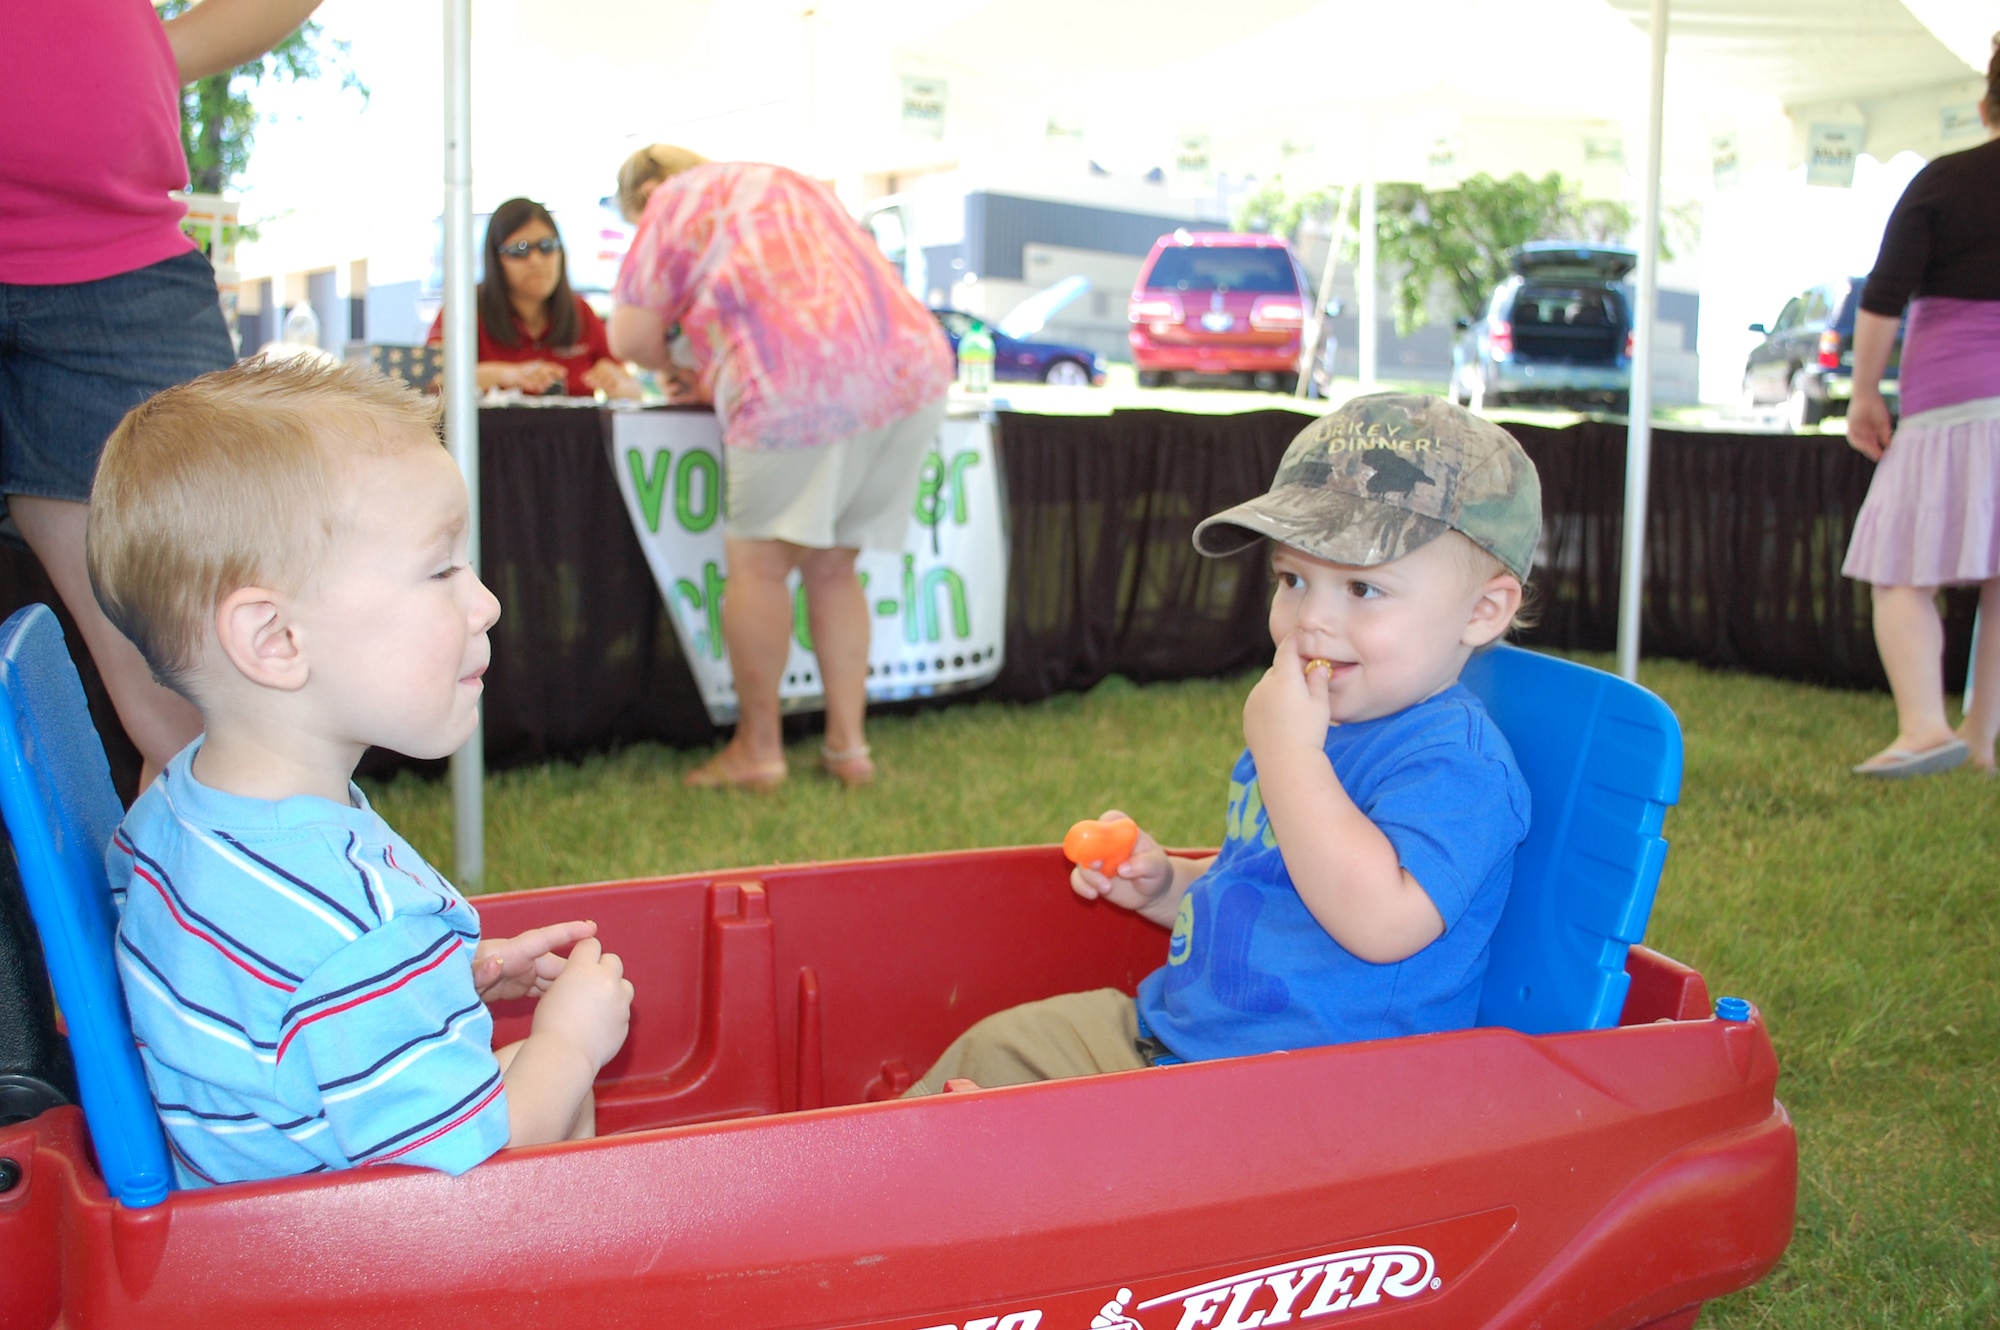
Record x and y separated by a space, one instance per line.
1932 515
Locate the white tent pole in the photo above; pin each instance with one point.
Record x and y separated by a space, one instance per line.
1315 341
461 399
1365 310
1639 427
1364 277
811 20
1971 666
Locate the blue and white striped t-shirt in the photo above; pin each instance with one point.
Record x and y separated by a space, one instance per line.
300 984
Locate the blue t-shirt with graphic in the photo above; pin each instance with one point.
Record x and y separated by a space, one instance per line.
1249 970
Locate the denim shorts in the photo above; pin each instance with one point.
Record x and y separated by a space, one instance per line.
75 357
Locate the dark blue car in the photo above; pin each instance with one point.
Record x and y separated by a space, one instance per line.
1015 358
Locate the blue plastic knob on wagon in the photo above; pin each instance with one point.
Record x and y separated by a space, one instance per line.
1732 1009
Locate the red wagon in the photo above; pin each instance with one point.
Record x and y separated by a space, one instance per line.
757 1171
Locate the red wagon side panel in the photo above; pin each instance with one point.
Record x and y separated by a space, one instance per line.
1599 1179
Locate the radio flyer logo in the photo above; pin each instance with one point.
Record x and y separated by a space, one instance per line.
1113 1317
1351 1272
1298 1291
1366 1271
1024 1320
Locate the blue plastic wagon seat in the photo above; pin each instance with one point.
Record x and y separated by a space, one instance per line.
1602 758
60 808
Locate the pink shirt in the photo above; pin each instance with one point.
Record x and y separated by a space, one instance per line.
801 331
1951 353
90 147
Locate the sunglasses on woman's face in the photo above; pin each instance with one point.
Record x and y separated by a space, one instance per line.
521 249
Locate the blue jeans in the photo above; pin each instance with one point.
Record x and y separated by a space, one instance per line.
74 358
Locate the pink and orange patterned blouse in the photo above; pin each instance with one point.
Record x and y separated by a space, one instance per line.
799 328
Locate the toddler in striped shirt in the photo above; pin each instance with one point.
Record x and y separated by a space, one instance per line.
286 543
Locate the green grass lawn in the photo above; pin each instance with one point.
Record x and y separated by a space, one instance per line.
1862 917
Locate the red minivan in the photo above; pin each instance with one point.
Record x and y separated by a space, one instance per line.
1219 304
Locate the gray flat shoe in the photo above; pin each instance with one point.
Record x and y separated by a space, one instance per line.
1901 763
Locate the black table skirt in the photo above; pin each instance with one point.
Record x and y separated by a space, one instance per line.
1745 534
1744 540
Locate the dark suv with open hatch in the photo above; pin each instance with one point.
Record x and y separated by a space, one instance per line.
1558 330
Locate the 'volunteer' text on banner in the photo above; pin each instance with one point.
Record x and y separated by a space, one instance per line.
938 606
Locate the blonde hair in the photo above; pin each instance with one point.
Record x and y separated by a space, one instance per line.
661 161
232 480
1480 566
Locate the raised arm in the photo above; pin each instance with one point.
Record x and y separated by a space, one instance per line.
219 35
1346 871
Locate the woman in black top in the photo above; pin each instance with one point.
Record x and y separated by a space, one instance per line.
1932 516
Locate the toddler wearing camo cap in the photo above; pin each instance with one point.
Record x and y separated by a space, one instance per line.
1375 810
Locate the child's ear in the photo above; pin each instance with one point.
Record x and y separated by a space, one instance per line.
1493 612
259 638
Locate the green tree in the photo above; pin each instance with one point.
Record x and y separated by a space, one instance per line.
1274 211
218 116
1460 237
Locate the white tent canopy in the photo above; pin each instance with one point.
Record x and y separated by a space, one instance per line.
561 93
1889 66
1805 52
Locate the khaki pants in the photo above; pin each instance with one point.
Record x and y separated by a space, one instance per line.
857 493
1077 1034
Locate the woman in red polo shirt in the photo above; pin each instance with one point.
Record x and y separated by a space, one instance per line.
535 334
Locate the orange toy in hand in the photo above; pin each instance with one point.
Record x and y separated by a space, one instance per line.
1106 844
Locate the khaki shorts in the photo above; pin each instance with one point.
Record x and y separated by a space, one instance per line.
854 494
1077 1034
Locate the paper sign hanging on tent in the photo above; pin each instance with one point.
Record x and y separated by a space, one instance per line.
1603 166
1299 163
1194 172
1830 154
1441 170
1960 121
1724 160
923 106
1065 142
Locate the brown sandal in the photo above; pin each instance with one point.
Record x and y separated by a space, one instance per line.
717 774
851 767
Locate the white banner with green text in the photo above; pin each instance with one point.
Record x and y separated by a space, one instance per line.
938 606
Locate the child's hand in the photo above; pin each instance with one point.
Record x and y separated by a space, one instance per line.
1134 884
589 1006
512 967
1288 707
1101 845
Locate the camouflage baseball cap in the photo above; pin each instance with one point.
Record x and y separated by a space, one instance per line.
1387 474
